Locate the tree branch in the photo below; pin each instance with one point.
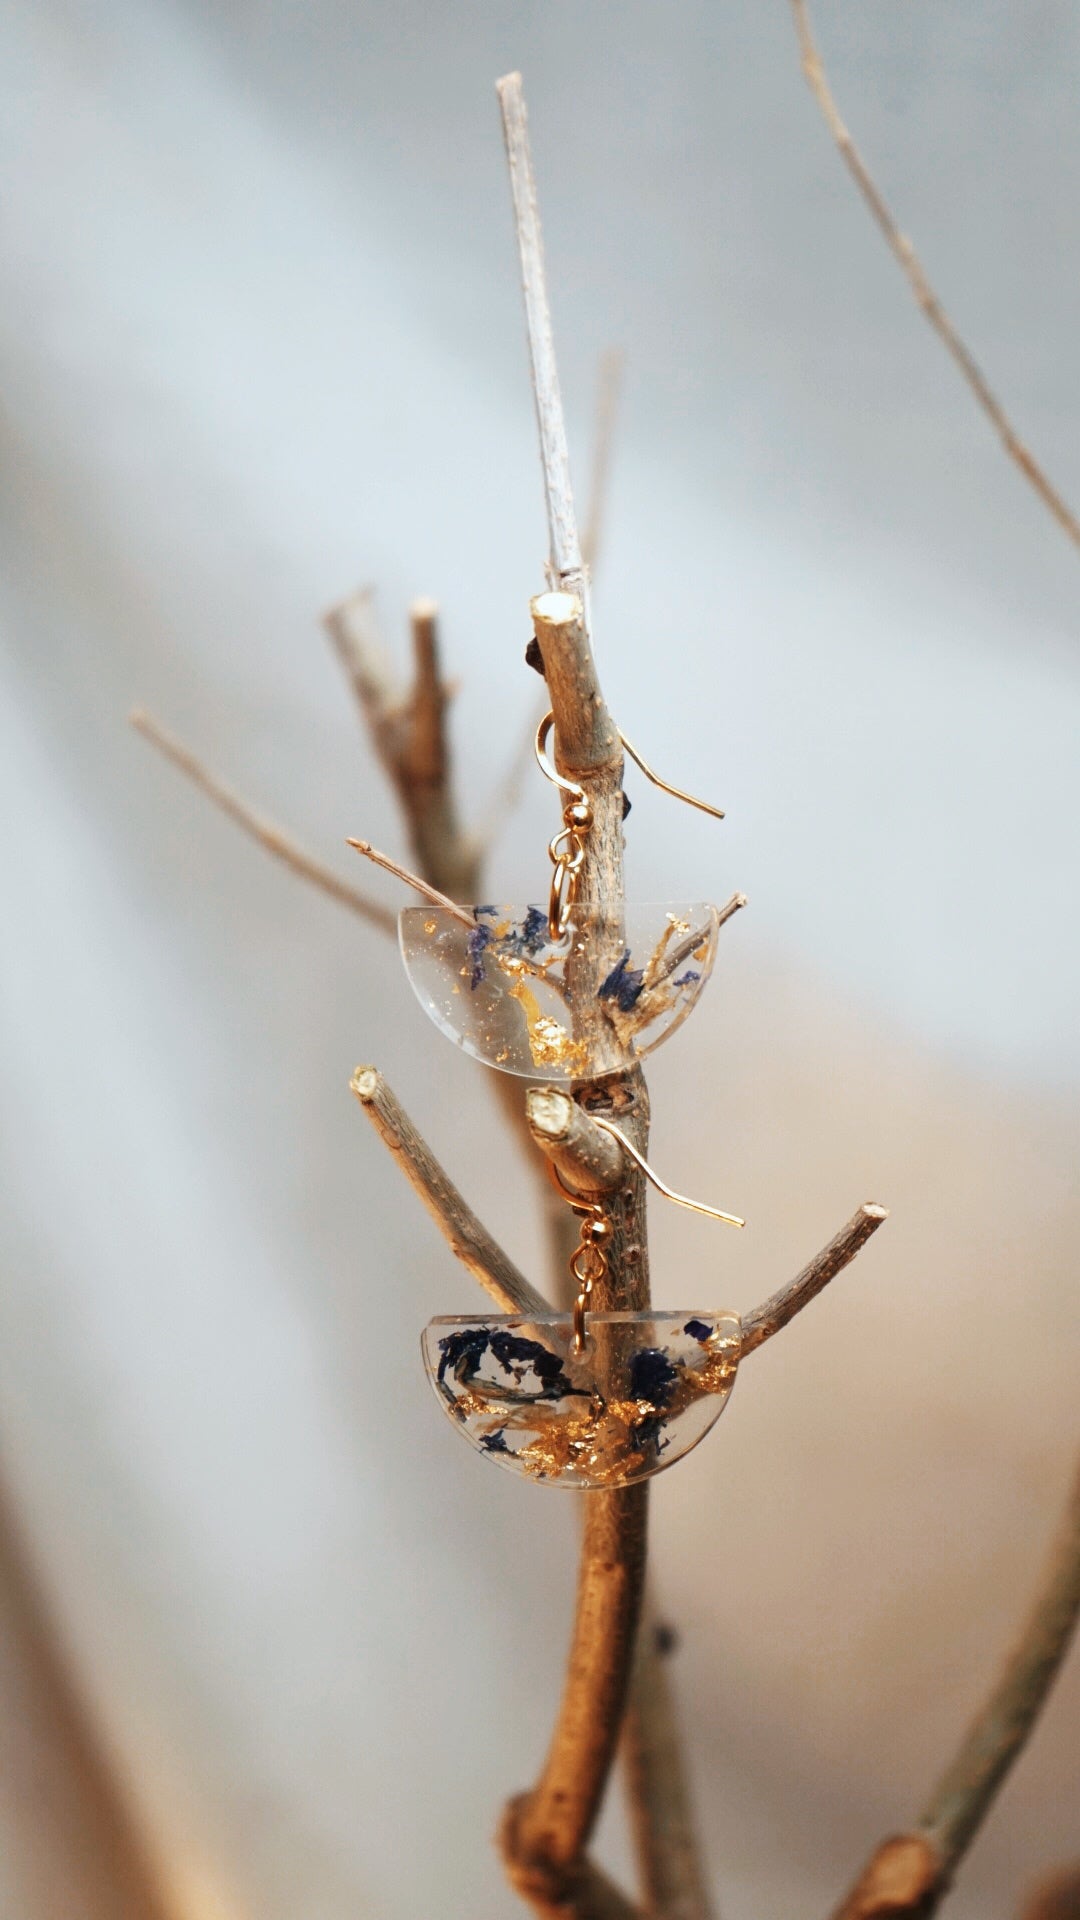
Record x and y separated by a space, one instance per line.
775 1312
465 1235
996 1737
965 1791
609 378
566 568
410 736
73 1843
264 831
545 1831
904 253
413 880
668 1850
584 1155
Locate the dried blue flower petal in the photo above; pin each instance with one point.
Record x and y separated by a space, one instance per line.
652 1376
623 984
534 931
698 1330
687 979
494 1442
513 1351
462 1353
477 940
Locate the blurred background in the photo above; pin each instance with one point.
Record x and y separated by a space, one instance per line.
262 341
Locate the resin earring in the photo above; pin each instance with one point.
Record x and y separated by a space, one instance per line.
587 1400
572 993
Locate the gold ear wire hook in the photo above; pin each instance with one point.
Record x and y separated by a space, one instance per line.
680 1199
547 767
551 773
677 792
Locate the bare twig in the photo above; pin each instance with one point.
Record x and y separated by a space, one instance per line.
353 634
264 831
464 1233
566 562
903 251
609 378
966 1790
410 736
608 383
730 907
583 1154
774 1313
72 1842
668 1850
413 880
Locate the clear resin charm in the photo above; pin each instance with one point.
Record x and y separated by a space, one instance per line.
592 1003
645 1389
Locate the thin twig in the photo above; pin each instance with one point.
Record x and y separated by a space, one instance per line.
903 251
966 1790
508 794
775 1312
608 383
260 828
410 734
465 1235
960 1800
353 634
413 880
666 1841
566 562
73 1841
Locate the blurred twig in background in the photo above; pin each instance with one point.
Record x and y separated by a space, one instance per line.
910 1874
75 1848
927 299
272 837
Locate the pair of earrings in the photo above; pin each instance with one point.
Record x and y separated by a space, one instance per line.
582 1400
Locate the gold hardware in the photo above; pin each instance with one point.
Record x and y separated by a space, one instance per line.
567 848
677 792
588 1262
669 1193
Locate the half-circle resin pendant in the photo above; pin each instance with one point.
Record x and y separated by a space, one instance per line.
589 1003
644 1389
